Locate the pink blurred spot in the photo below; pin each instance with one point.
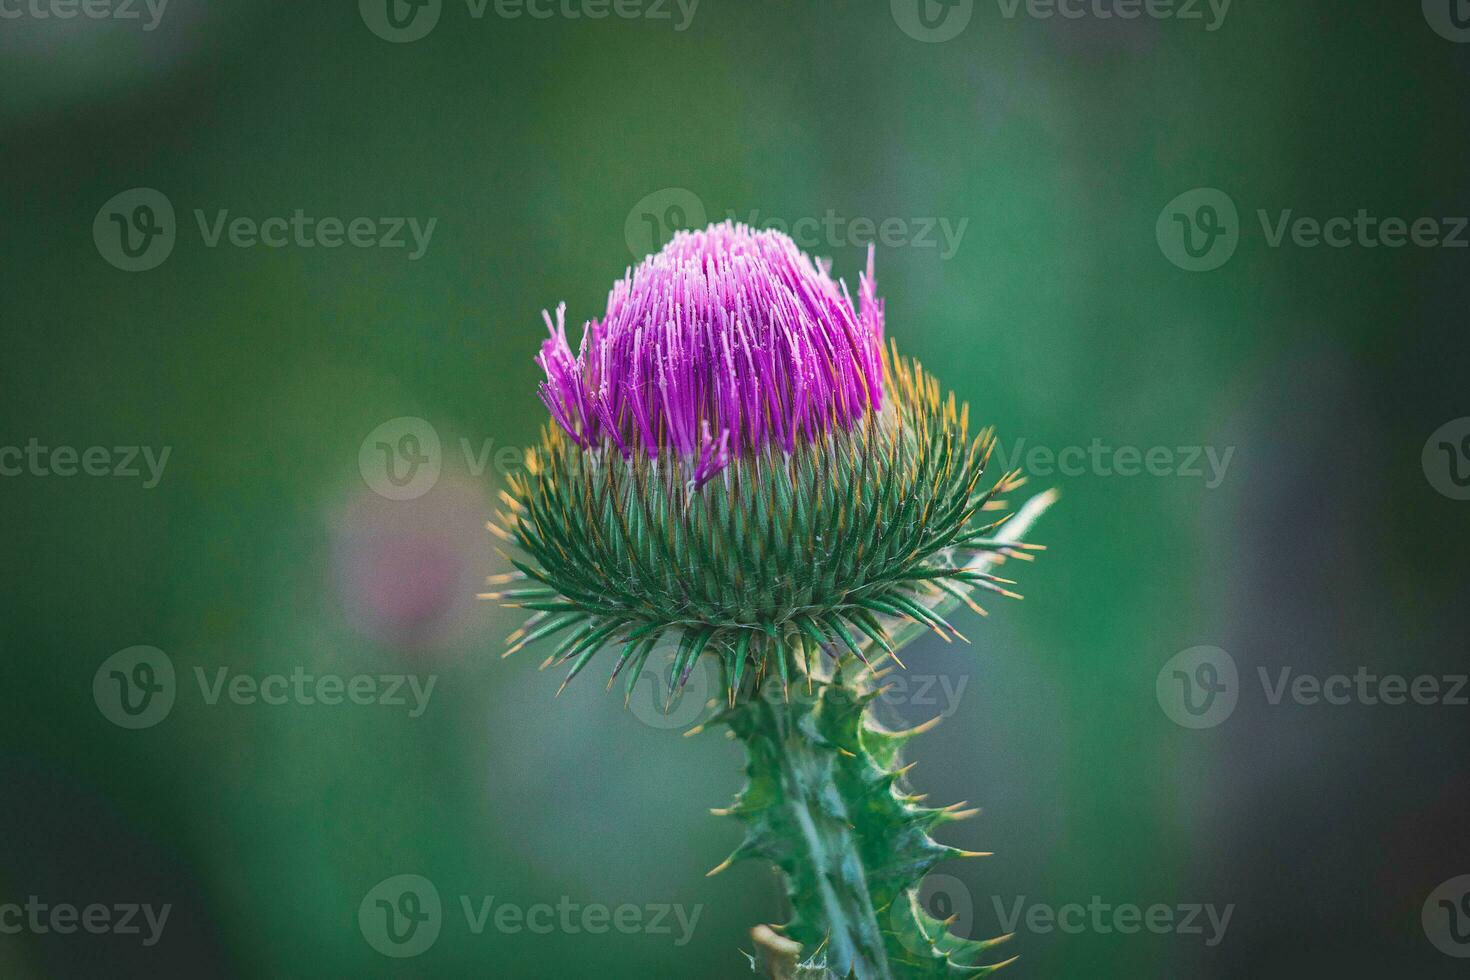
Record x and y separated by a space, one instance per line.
407 571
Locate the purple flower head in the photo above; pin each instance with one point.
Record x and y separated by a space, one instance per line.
726 341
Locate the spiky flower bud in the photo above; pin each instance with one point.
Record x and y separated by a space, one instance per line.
738 461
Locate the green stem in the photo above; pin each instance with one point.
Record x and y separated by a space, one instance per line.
824 874
824 804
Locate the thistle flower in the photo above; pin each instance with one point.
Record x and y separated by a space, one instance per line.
737 460
726 341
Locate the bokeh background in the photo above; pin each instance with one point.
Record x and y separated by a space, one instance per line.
539 146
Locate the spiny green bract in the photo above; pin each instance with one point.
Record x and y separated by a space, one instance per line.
828 548
824 803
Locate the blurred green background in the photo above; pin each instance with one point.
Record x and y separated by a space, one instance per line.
538 146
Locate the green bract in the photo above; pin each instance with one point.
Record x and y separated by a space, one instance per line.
778 558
